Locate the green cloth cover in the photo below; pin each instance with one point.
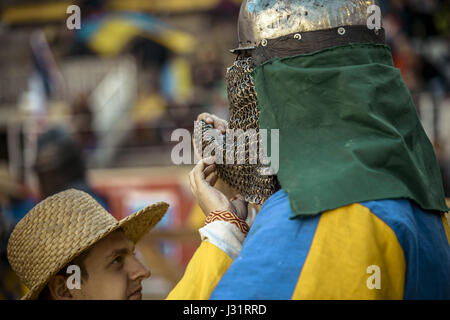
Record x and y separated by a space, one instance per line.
349 130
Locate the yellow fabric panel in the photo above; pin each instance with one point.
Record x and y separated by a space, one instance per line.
149 107
182 72
206 268
163 6
177 41
347 241
446 222
113 36
36 12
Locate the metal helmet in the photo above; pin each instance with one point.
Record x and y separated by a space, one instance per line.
269 29
270 19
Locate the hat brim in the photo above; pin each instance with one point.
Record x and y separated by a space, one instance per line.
135 226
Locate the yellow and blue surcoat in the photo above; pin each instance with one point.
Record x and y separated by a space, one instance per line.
334 255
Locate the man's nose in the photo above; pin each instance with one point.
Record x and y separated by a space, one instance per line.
139 271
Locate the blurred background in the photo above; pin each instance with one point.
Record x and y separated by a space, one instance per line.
94 108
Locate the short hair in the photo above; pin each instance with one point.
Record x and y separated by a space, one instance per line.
78 261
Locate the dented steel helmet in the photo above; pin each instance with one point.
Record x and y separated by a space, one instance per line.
269 29
260 20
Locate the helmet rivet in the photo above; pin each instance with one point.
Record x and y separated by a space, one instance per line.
298 36
264 42
341 31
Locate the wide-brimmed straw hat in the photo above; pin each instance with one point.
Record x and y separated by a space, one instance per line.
61 227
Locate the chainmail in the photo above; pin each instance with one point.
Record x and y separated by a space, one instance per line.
244 114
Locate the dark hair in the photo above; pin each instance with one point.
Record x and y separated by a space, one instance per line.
79 261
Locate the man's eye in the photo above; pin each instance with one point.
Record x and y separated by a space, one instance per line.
117 261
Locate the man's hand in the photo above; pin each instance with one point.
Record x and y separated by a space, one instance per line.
202 179
221 125
217 123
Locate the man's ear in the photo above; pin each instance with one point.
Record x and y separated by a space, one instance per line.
58 288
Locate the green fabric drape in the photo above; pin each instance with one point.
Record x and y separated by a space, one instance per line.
349 131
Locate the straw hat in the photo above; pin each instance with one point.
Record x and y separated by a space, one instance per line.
61 227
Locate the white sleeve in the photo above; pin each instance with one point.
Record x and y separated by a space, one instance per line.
224 235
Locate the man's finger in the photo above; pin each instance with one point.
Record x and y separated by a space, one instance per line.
214 179
199 177
209 160
196 151
192 189
192 182
197 172
220 124
210 179
209 169
206 117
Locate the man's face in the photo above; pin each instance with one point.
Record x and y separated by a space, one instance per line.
114 273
